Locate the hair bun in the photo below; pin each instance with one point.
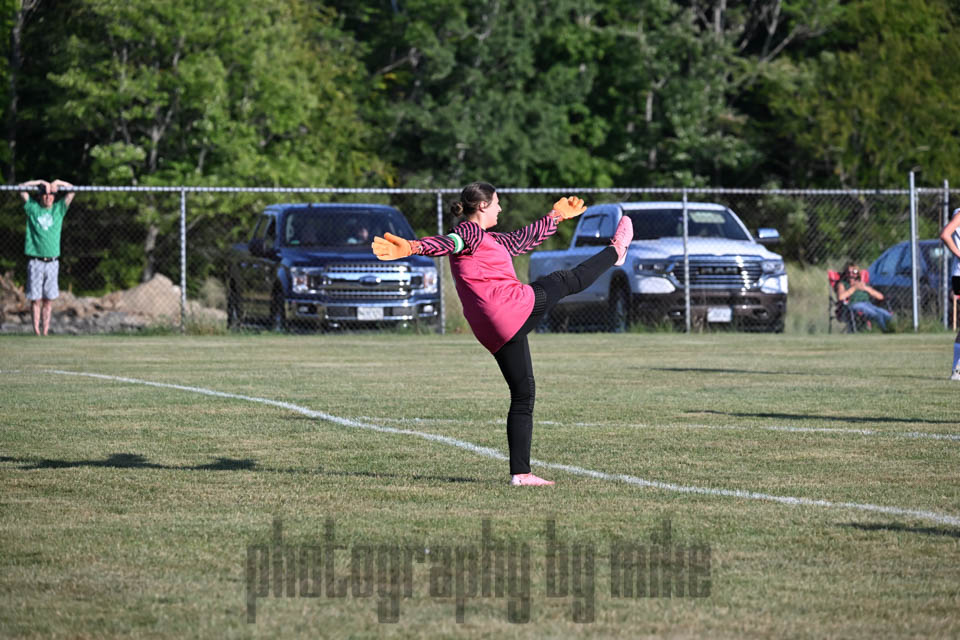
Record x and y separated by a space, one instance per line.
457 208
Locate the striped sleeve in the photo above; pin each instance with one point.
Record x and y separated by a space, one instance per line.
462 240
434 246
528 237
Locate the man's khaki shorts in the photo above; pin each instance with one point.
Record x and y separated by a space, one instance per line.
42 279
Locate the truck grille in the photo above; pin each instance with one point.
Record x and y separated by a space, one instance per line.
366 267
721 273
358 281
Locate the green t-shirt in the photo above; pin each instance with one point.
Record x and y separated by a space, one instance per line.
857 296
43 228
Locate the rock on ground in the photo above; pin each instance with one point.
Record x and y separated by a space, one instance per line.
153 303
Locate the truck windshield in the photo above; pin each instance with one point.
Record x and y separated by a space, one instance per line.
651 224
341 227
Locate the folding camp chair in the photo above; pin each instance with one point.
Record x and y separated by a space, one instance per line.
840 311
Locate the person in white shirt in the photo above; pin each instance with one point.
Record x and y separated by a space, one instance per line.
951 239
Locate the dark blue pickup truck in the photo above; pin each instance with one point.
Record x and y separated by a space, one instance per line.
312 264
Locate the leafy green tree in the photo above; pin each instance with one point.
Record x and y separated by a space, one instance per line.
679 85
163 92
220 92
14 15
880 99
619 92
471 90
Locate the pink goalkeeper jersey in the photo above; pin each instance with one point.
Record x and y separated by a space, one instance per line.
495 302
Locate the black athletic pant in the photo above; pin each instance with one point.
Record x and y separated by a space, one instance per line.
514 356
955 285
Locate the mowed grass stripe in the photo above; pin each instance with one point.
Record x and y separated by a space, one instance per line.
497 455
825 430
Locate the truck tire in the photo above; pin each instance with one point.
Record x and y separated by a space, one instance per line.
618 313
278 314
550 323
234 312
427 325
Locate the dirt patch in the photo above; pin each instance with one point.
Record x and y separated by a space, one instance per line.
153 303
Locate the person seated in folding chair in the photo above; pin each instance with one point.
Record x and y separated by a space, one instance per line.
837 310
840 310
852 289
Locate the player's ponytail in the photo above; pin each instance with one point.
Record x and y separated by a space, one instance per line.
472 196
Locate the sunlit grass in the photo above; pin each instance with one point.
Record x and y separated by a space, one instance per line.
128 509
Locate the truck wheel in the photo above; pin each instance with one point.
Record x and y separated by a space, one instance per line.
548 323
619 311
234 314
278 315
426 325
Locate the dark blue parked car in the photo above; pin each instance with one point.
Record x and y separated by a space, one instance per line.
311 263
890 275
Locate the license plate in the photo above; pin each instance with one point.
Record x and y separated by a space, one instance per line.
719 314
369 313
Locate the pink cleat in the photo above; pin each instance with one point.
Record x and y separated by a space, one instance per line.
622 238
528 480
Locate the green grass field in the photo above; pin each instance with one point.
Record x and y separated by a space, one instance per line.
130 509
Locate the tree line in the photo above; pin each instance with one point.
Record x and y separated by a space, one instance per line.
438 93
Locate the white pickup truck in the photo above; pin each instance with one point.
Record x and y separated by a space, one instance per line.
735 281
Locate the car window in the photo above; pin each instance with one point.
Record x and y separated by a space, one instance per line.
270 234
652 224
259 228
341 227
932 255
904 262
594 229
885 264
714 224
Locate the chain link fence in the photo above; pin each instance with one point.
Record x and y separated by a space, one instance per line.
165 258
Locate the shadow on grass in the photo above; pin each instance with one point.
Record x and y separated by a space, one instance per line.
792 373
737 371
137 461
893 526
808 416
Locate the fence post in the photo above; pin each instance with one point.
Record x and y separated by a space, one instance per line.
439 263
914 280
686 265
183 260
945 259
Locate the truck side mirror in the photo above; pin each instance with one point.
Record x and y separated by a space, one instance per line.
767 236
256 247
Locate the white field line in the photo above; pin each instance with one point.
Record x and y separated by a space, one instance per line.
829 430
487 452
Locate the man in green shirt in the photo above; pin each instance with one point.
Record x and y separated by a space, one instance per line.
855 292
42 246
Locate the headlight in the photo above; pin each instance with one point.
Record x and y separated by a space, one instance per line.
774 284
654 285
659 267
299 280
429 279
772 266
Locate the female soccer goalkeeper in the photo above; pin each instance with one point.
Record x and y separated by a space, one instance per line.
500 309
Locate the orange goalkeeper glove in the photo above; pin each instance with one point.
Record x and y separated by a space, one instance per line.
569 207
391 247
